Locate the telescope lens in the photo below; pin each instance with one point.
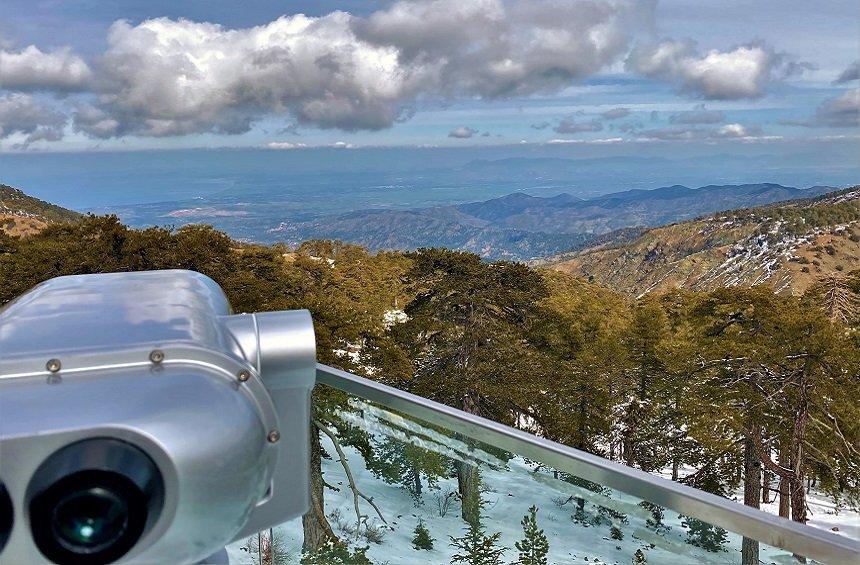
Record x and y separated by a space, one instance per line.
88 520
93 501
6 516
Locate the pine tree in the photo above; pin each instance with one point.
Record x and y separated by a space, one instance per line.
422 539
534 545
615 533
833 295
656 519
639 558
476 548
704 535
336 553
404 464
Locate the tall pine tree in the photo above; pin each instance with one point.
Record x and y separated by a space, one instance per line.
533 548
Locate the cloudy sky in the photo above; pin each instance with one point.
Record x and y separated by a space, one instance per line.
88 75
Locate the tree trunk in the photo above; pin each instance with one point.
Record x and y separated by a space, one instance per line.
628 446
752 495
798 501
416 482
765 491
468 485
796 484
264 545
675 469
784 490
798 492
317 530
467 474
613 424
581 432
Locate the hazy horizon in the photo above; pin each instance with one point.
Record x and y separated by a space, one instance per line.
101 180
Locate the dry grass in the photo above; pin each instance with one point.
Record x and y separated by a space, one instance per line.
19 226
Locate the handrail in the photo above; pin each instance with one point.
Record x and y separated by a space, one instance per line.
749 522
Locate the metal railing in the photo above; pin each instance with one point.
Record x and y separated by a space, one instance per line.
800 539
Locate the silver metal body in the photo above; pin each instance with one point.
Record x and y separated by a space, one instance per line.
767 528
220 402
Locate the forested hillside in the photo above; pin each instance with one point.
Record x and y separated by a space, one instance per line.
21 214
788 246
736 385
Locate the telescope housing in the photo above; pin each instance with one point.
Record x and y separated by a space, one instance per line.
142 421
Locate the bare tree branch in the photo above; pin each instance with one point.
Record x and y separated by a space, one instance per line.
356 493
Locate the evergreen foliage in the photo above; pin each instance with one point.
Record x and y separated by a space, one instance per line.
704 535
533 548
422 539
404 464
476 548
336 553
657 514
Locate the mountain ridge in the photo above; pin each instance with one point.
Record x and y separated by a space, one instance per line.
519 226
786 245
22 214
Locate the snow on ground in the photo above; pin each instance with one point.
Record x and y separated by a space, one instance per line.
511 490
824 514
821 510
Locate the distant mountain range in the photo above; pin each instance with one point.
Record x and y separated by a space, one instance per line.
21 214
788 246
519 226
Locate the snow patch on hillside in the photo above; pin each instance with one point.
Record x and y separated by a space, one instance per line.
759 258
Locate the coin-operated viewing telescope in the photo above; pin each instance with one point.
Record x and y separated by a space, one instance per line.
141 422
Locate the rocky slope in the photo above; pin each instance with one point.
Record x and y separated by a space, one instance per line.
21 214
787 246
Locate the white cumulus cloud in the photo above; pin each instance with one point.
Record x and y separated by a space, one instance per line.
32 69
285 145
462 132
570 125
736 130
841 111
168 77
23 114
743 72
699 115
849 74
693 133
